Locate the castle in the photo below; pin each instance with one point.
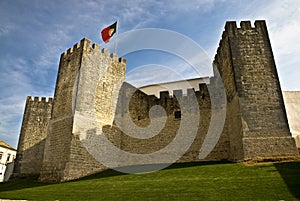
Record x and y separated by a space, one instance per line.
59 137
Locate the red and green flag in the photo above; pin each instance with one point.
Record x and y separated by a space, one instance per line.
108 32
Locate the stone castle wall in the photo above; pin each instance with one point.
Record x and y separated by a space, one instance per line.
58 142
33 135
91 102
84 80
138 112
254 89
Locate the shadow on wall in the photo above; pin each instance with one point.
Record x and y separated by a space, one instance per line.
290 173
8 171
29 161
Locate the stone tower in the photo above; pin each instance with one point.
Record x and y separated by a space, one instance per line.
86 76
90 96
257 122
32 136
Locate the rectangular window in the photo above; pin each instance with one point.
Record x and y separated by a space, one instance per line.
177 114
8 157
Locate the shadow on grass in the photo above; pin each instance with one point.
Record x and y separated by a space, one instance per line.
201 163
290 172
139 168
32 182
21 183
102 174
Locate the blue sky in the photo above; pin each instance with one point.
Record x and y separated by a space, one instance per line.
34 33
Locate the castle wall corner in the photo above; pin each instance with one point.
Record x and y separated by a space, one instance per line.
86 76
250 75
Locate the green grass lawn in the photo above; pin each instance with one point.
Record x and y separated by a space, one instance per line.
190 181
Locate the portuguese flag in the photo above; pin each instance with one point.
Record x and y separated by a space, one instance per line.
108 32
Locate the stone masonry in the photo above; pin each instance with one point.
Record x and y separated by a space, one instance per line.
259 126
91 96
33 135
78 81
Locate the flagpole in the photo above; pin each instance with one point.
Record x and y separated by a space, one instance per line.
116 41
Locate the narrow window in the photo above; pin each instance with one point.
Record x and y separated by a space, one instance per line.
203 96
104 86
8 157
177 114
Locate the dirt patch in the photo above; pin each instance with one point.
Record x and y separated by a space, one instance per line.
259 161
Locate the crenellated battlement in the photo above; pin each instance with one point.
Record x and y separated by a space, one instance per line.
179 93
85 45
140 103
232 30
39 99
198 88
167 98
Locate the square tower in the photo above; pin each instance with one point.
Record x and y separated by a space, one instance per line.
87 77
258 123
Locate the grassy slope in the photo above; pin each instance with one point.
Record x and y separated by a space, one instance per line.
180 182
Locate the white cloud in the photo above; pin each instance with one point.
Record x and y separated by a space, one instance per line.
183 6
284 31
5 29
16 85
53 46
285 38
283 21
151 74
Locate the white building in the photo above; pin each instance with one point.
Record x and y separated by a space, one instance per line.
7 156
292 106
155 89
